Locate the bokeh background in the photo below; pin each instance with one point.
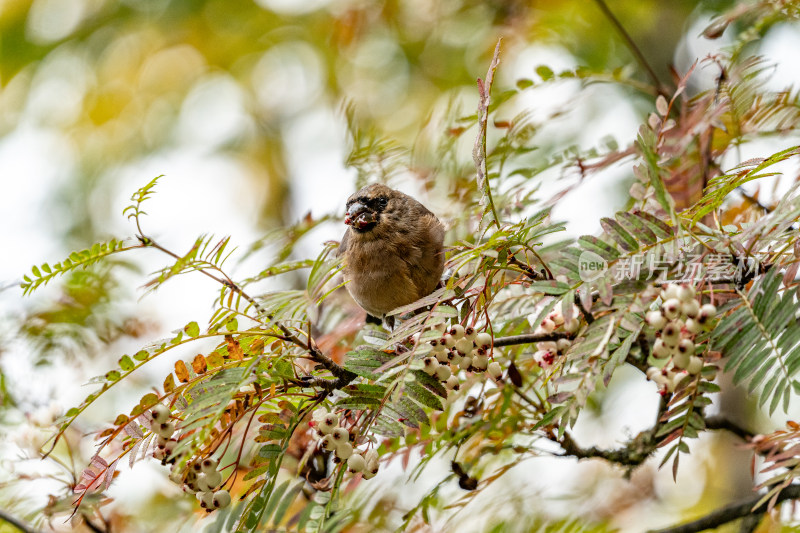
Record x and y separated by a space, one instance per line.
260 112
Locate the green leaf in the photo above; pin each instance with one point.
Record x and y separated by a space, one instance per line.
601 248
423 396
615 230
552 287
545 72
270 451
126 364
192 329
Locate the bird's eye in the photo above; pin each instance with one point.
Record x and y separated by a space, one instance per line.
382 202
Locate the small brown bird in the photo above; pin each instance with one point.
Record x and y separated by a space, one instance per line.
392 250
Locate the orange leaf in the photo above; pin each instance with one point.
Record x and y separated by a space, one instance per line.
199 364
181 371
234 350
169 383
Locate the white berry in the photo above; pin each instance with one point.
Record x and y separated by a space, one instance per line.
372 457
206 499
328 423
686 346
443 372
464 346
676 380
452 383
572 325
556 317
680 360
328 443
165 429
449 340
470 333
563 345
429 365
690 309
670 292
693 327
160 413
483 340
706 312
457 331
344 451
340 435
671 308
660 349
656 320
548 346
356 463
695 365
209 465
671 333
494 369
222 499
203 483
686 294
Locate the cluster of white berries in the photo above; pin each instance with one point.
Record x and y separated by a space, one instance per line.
164 428
460 348
202 479
679 320
554 323
336 439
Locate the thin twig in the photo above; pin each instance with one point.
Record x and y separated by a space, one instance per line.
732 512
479 150
315 353
632 46
529 338
587 315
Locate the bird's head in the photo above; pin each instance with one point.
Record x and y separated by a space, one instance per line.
364 208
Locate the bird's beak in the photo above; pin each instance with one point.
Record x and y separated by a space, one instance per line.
359 216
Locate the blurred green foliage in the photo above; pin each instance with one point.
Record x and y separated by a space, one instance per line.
113 77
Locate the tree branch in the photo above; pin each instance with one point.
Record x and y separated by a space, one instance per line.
330 385
753 200
633 454
632 46
720 422
529 338
642 446
732 512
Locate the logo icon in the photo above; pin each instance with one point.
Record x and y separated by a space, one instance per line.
591 266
